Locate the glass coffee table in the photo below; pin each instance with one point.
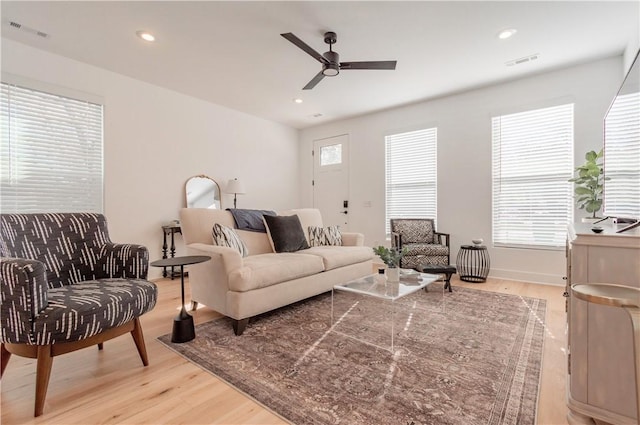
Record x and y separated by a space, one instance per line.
387 293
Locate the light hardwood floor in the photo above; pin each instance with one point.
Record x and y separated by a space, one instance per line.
112 386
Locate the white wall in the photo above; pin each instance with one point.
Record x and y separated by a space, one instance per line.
155 139
464 157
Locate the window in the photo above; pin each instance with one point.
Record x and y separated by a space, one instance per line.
51 152
622 157
532 163
331 155
411 175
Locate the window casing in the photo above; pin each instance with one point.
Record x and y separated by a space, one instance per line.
411 175
51 152
532 163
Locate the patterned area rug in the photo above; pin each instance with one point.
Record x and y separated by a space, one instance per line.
467 357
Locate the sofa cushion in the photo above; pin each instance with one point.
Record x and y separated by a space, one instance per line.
263 270
340 256
225 236
325 236
285 233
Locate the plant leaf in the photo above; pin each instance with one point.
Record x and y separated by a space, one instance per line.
582 191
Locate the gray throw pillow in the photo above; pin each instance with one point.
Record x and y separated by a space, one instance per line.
285 233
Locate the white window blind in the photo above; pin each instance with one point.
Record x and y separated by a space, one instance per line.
622 158
532 161
51 153
411 172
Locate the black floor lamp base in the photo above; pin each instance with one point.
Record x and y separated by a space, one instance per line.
183 328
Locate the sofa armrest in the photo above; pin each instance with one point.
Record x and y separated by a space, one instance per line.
231 259
209 281
352 239
24 294
127 261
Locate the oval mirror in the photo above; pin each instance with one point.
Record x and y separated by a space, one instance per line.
202 192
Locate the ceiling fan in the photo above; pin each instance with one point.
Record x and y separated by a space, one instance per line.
331 65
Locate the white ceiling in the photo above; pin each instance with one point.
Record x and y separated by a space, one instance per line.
231 53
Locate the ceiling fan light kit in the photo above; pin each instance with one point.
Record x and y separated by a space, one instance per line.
331 65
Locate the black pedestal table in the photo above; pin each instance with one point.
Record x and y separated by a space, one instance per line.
183 328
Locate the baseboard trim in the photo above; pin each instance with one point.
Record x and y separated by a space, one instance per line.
531 277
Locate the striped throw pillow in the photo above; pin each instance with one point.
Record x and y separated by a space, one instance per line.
322 236
226 236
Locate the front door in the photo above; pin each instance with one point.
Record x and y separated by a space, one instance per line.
331 180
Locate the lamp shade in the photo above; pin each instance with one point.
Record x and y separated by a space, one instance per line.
235 186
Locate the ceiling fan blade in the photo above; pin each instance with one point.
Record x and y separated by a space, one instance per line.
304 46
315 80
368 65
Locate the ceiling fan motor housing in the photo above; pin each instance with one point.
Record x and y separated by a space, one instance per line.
332 68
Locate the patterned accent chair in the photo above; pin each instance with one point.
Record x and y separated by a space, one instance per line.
424 245
64 286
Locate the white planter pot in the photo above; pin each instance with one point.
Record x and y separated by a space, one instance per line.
393 274
590 219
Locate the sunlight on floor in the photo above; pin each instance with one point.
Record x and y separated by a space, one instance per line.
324 335
391 373
541 321
188 307
408 322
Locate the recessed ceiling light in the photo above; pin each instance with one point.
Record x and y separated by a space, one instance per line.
145 35
297 100
504 34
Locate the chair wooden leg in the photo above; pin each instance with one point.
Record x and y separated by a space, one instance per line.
138 338
5 355
100 345
194 305
43 372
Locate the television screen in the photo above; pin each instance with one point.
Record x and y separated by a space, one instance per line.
622 149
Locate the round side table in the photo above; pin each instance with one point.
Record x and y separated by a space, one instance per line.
626 297
183 328
473 263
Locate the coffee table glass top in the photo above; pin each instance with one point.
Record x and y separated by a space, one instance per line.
370 285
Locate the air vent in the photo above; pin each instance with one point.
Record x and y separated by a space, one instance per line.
522 60
26 29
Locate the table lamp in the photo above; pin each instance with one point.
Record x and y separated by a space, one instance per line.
236 187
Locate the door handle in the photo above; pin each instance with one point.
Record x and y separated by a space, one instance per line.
345 212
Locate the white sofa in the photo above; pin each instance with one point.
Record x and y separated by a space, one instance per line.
244 287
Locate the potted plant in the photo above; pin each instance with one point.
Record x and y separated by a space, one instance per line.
589 183
391 257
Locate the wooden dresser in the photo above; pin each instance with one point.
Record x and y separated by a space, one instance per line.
600 382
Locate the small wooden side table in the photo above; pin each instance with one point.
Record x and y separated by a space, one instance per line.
169 230
626 297
183 328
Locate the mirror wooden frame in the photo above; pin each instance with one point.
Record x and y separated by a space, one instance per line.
209 195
